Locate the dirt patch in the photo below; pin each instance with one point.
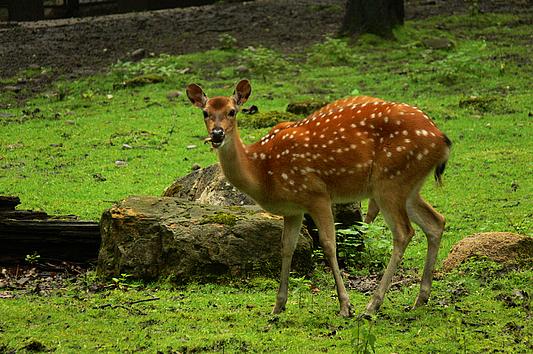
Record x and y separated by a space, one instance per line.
85 45
367 284
74 47
39 278
501 247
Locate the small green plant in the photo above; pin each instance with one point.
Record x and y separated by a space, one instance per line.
122 282
88 95
32 258
264 61
364 341
333 51
364 246
227 41
349 244
62 92
163 65
300 285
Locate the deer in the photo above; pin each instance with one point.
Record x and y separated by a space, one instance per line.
351 149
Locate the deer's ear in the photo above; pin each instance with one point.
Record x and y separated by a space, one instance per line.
196 95
243 90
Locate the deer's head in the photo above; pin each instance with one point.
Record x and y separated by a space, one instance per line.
220 112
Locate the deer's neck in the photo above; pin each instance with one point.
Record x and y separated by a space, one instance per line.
238 167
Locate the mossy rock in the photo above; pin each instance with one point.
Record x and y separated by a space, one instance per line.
305 107
266 119
160 237
500 247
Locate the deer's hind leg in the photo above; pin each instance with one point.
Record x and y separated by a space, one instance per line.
432 223
396 217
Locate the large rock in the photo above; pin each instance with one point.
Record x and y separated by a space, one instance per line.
151 237
501 247
209 186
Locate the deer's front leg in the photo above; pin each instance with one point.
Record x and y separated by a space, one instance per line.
289 239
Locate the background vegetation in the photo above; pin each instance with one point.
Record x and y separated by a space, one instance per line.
89 142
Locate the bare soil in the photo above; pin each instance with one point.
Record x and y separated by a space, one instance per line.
80 46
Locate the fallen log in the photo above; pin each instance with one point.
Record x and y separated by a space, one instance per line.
25 232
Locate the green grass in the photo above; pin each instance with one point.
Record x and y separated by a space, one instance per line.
59 153
467 314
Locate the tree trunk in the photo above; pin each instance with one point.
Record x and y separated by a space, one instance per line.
378 17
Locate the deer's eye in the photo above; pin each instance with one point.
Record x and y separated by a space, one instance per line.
231 113
205 114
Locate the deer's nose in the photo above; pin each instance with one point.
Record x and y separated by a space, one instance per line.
217 135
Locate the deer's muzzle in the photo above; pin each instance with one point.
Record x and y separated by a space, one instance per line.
217 137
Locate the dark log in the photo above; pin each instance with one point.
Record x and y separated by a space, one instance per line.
64 240
27 232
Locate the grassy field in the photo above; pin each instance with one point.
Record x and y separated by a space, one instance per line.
84 144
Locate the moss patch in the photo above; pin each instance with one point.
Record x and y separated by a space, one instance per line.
219 218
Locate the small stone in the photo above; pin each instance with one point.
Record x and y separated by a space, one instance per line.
192 146
12 88
126 147
172 95
121 163
437 43
22 281
138 54
196 167
241 69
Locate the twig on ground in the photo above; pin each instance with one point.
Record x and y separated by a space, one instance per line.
123 305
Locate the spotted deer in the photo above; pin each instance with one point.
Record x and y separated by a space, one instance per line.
353 148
